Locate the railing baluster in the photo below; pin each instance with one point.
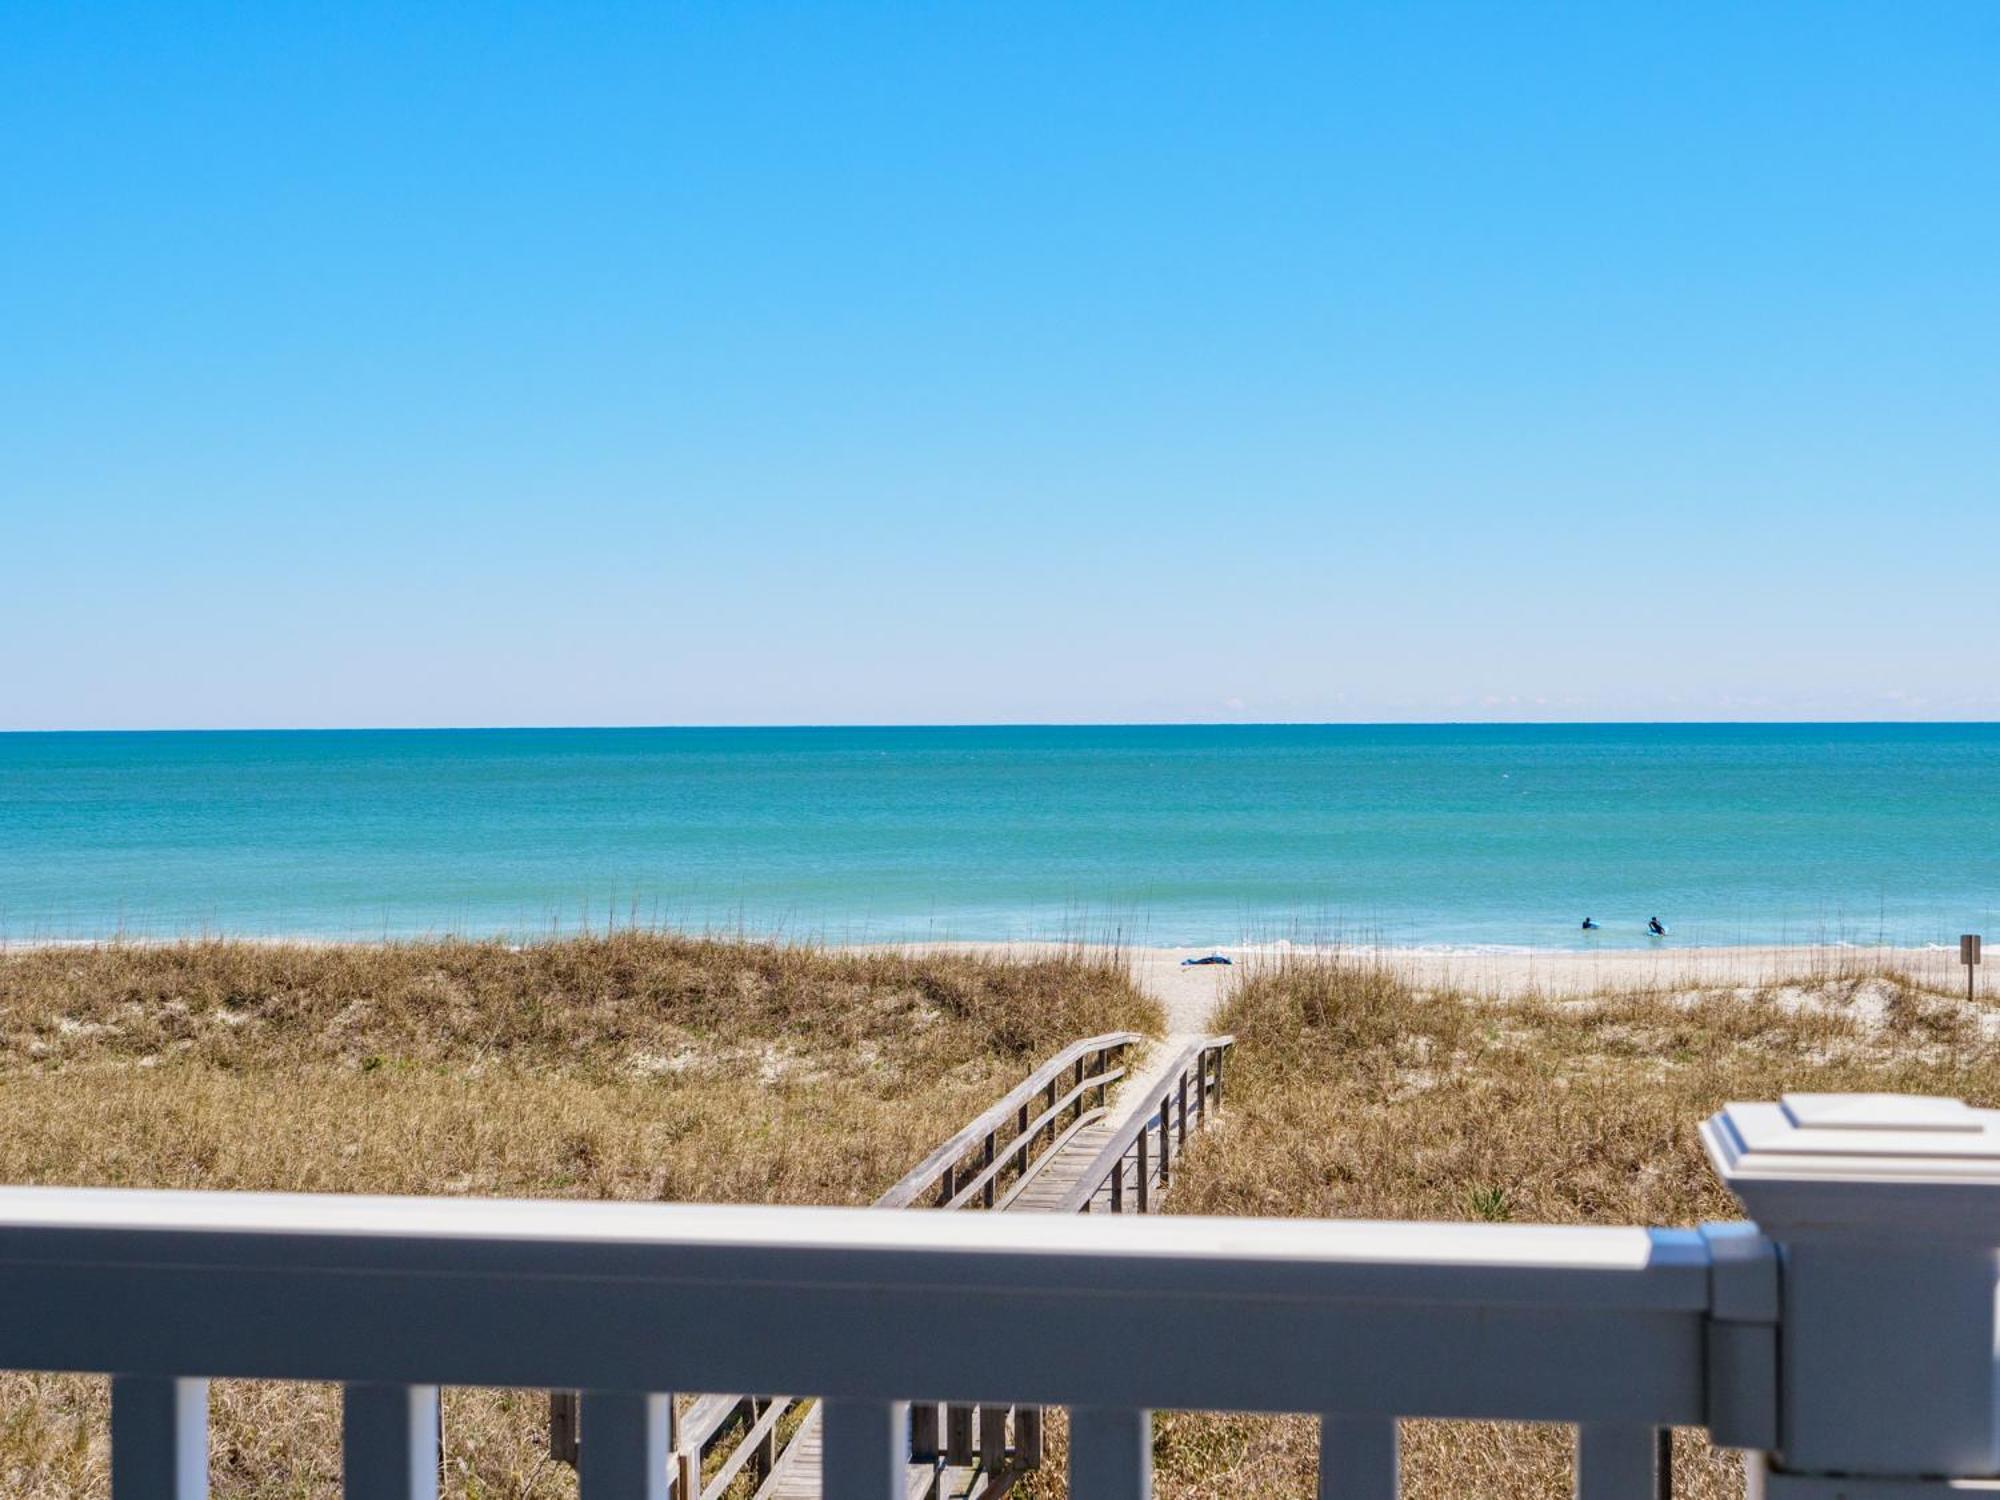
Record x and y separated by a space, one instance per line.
159 1438
1110 1454
1027 1437
924 1432
1145 1172
993 1438
562 1426
1166 1145
987 1161
958 1434
389 1442
1358 1458
1623 1461
862 1450
1180 1092
626 1437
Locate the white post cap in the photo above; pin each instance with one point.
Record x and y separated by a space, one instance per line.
1847 1163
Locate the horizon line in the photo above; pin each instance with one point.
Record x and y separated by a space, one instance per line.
802 725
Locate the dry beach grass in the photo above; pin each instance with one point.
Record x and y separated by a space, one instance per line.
1357 1095
635 1066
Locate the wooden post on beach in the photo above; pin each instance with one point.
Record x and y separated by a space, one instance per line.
1968 954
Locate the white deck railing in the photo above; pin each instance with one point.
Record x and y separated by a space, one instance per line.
1844 1343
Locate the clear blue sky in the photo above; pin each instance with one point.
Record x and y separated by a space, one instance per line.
803 363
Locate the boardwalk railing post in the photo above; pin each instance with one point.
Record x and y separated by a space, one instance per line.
958 1447
1884 1211
924 1432
563 1427
1145 1172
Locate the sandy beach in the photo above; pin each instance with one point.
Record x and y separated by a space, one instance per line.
1190 993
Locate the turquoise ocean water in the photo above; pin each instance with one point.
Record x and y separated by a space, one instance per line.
1450 836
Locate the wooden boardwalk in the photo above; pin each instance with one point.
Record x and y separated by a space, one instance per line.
1052 1183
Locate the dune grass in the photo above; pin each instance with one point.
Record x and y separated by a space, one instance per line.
1355 1095
636 1066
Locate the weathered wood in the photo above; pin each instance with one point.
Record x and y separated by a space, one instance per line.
1144 1174
993 1438
756 1451
1166 1150
923 1178
988 1174
958 1434
1027 1437
1053 1172
764 1452
562 1427
966 1188
924 1431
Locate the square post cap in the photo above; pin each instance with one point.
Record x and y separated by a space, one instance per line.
1861 1164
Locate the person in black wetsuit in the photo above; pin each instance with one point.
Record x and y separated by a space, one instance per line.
1656 927
1590 924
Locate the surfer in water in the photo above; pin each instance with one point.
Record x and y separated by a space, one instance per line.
1590 924
1656 927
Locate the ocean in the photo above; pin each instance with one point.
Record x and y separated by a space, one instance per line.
1486 837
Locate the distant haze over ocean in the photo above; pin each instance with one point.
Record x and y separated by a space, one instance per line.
1186 835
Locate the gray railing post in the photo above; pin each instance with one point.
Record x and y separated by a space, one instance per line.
1884 1211
1359 1459
863 1448
1110 1454
389 1437
626 1437
159 1438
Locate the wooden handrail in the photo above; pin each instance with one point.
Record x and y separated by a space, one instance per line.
1025 1139
1192 1059
926 1173
1076 1127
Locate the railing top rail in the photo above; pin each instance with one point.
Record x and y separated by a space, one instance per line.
109 1229
927 1171
1227 1314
